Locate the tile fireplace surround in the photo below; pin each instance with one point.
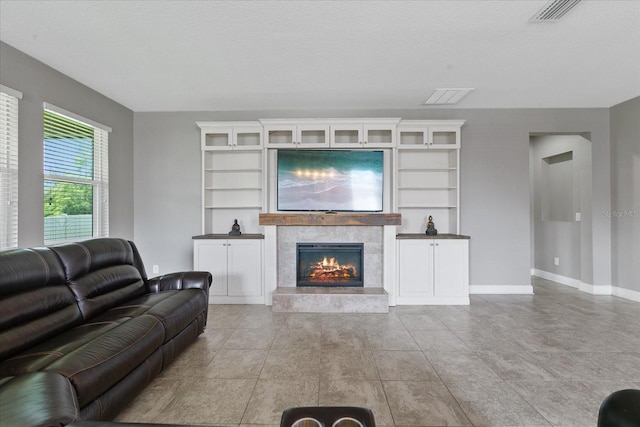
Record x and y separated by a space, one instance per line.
370 236
376 231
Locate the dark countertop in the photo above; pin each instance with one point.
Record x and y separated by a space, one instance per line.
426 236
229 236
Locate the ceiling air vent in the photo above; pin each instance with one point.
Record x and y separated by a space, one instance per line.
554 10
447 96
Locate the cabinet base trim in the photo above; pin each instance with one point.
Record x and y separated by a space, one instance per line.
432 300
500 290
214 299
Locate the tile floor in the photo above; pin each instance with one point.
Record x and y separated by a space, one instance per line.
505 360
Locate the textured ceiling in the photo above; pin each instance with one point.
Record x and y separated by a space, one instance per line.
264 55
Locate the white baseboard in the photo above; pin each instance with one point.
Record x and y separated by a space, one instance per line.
564 280
626 293
499 290
588 288
596 289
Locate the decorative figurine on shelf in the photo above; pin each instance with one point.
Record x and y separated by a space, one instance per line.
235 228
431 229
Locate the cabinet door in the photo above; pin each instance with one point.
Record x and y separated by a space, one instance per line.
451 274
280 135
247 138
415 268
444 137
219 139
312 135
211 256
379 136
245 268
413 137
347 135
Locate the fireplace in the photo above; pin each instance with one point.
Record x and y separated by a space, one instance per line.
329 264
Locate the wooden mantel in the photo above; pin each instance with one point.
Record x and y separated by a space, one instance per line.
332 219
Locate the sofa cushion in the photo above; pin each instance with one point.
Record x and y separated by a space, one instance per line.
102 273
106 288
37 399
93 356
179 309
80 258
99 364
35 304
42 355
175 309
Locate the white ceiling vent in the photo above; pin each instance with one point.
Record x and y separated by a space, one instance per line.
447 96
554 10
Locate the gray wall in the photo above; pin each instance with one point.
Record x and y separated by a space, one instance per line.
40 83
162 172
494 183
560 235
625 207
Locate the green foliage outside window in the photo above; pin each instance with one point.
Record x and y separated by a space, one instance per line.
67 198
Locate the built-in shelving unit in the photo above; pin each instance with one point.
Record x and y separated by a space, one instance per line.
425 173
232 175
428 175
422 176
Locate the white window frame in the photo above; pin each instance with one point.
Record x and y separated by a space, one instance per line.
100 181
9 167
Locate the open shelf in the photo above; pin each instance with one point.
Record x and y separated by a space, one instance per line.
427 181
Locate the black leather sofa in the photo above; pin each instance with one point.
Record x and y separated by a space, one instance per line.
83 330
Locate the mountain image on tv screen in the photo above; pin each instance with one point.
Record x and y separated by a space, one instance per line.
330 180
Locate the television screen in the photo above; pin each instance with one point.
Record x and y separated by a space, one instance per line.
330 180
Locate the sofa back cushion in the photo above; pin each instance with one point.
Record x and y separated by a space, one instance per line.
35 303
101 273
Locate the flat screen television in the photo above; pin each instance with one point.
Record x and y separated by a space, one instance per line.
330 180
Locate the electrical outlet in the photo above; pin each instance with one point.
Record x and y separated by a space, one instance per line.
156 268
578 216
556 261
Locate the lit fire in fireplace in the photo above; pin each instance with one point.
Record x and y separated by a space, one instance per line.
329 269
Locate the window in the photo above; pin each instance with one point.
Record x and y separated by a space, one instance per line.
9 167
76 177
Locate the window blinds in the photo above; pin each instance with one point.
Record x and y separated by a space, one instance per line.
76 172
9 167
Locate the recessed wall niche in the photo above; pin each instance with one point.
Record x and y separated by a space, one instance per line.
557 187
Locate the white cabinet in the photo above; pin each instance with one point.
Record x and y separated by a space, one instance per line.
371 133
295 134
236 266
429 134
433 270
230 135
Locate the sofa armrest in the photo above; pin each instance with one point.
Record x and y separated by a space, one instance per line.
183 280
41 399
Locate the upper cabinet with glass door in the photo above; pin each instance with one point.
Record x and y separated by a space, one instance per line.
290 133
231 135
414 134
364 133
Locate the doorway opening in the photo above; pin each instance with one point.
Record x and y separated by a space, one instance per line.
560 201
